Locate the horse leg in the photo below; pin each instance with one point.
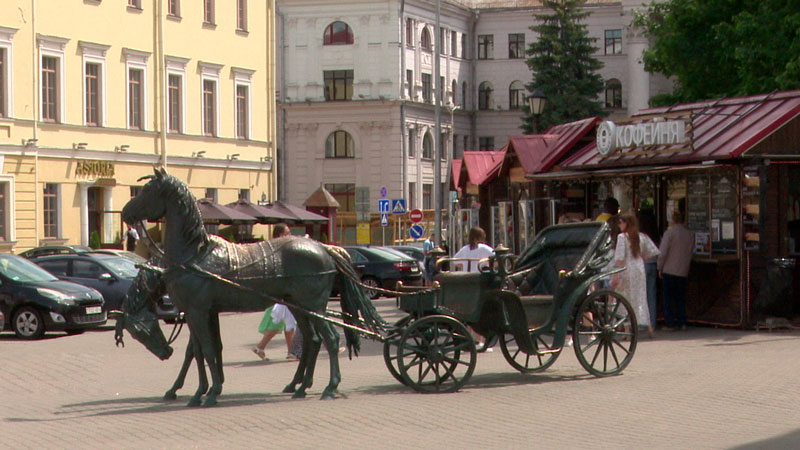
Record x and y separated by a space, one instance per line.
331 338
208 340
171 394
214 325
308 334
310 353
202 385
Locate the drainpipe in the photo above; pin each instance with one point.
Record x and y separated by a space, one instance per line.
280 178
403 134
35 109
474 76
163 76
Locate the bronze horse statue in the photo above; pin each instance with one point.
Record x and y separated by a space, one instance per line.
206 275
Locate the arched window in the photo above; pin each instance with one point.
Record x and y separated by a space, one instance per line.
337 33
613 93
339 145
516 95
427 146
453 91
484 95
425 41
464 97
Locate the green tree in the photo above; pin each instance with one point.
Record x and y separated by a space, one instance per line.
723 48
563 66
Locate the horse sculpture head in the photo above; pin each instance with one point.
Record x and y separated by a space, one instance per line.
138 316
150 203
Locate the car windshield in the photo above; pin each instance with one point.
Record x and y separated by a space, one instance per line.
121 266
19 269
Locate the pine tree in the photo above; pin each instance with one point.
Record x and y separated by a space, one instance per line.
563 66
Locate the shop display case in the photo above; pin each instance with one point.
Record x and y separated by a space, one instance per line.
752 222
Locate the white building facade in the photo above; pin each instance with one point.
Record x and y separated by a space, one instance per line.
357 92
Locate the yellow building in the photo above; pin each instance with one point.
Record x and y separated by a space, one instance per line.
94 93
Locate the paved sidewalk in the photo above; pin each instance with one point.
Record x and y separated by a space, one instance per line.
700 389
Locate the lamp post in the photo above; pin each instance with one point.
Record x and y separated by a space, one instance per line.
536 102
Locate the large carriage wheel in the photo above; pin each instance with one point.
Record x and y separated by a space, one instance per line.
527 363
605 333
436 354
391 346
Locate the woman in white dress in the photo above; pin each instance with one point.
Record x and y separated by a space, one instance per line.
633 248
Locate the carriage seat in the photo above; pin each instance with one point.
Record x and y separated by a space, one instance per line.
541 280
461 291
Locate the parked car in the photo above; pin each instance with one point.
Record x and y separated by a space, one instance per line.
34 301
110 274
124 253
410 250
410 253
55 250
381 268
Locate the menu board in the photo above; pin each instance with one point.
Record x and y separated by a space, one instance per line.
723 213
697 203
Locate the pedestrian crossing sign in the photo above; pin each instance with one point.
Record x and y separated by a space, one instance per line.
398 206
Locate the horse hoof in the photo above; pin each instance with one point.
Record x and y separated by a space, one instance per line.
193 402
170 396
299 394
210 401
289 389
328 396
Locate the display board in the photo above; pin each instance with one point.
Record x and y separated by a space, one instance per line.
697 212
723 213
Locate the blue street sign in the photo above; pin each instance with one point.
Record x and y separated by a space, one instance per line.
384 206
384 220
398 206
416 231
384 191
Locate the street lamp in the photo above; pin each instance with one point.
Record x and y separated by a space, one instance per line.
536 102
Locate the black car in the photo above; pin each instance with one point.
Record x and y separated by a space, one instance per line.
410 250
381 268
55 250
110 274
34 301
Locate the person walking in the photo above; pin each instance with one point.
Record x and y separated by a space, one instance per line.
633 248
647 222
677 245
277 318
131 237
427 262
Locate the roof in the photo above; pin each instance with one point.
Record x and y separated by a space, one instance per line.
456 169
720 129
321 198
483 166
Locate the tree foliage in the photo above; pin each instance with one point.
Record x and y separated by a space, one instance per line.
723 48
563 65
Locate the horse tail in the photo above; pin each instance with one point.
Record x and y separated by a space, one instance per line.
354 300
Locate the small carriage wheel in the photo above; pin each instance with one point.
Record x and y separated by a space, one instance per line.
391 346
524 362
605 333
436 354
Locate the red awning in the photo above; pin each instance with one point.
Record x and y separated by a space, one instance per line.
456 174
721 129
483 166
540 152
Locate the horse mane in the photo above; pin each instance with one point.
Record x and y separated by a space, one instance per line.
192 228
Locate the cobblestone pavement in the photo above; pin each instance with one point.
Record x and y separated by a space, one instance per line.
700 389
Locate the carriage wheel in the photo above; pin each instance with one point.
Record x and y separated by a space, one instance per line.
524 362
391 346
605 333
436 354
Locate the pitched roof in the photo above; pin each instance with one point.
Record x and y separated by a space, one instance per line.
483 166
720 129
321 198
456 173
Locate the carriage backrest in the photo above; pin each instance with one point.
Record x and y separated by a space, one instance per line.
461 291
559 247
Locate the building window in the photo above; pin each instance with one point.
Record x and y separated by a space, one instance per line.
344 193
211 194
175 99
50 89
453 90
410 32
208 12
516 45
94 83
486 143
425 40
135 98
174 8
92 94
427 91
442 46
209 107
464 46
427 195
241 15
453 43
338 85
135 4
339 145
486 46
613 42
516 95
427 146
484 96
443 146
244 194
242 111
410 83
613 93
412 142
442 87
50 207
337 33
464 95
412 196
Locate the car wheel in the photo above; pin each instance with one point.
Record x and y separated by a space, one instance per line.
28 323
370 283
